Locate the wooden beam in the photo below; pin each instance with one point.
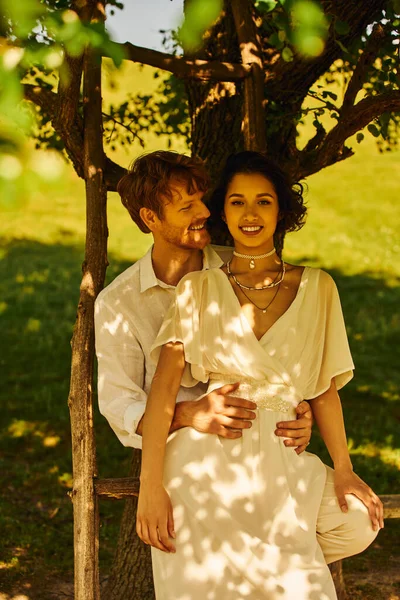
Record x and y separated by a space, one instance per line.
182 67
80 400
253 124
391 506
126 487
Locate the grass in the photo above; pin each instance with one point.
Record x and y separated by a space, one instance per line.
352 231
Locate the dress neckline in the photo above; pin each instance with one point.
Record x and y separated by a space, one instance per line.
300 288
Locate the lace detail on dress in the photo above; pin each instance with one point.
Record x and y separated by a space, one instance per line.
266 395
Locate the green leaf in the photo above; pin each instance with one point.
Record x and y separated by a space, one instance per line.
359 137
275 41
280 20
310 27
342 46
341 27
24 15
199 16
115 51
266 6
373 130
287 54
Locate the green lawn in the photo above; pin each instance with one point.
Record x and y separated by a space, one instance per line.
352 231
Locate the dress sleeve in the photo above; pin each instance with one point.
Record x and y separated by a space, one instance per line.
181 324
332 356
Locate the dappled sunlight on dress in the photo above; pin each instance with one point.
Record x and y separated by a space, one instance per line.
245 510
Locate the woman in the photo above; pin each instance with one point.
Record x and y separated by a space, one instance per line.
245 508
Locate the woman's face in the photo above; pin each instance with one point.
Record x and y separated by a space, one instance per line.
251 211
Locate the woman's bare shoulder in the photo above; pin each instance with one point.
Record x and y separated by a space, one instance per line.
294 272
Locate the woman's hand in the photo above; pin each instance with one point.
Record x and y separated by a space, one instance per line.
154 519
347 482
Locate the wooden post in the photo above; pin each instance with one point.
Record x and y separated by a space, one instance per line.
253 123
336 570
80 399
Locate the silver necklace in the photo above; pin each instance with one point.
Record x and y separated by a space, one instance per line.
253 257
264 287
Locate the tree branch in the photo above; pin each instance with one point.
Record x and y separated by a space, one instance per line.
298 76
182 67
112 173
69 87
42 97
332 148
72 138
366 59
116 122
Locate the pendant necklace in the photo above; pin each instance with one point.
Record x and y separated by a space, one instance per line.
263 310
253 257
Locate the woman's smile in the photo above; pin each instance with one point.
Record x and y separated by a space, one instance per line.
251 230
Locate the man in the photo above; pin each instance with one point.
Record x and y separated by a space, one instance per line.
163 193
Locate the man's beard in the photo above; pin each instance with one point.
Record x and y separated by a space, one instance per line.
187 240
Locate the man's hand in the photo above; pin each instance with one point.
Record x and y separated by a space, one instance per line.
299 431
216 413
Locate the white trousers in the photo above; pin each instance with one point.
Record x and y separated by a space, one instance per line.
342 534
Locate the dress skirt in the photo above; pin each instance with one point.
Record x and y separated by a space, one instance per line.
245 514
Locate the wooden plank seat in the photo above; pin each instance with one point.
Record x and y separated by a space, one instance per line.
125 487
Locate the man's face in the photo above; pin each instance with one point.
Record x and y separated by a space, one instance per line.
184 220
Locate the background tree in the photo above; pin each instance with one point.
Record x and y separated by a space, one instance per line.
245 86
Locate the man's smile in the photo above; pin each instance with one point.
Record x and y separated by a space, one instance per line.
197 227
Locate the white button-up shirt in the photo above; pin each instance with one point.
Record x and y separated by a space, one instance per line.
128 315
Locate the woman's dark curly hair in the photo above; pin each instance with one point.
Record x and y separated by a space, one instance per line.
292 212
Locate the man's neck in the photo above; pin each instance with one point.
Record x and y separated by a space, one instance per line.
170 263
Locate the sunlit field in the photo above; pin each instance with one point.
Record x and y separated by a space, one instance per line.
352 231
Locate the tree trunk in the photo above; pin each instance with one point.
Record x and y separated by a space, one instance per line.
216 107
131 577
80 399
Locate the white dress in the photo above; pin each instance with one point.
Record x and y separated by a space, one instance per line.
245 510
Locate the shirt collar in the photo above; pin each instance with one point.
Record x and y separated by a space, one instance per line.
148 278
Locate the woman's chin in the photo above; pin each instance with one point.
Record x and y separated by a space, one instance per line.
254 241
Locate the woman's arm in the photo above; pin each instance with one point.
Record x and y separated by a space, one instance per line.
327 411
154 522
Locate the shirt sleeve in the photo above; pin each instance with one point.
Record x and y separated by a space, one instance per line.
332 357
182 324
121 373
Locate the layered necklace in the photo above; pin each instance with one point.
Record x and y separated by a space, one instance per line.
275 283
